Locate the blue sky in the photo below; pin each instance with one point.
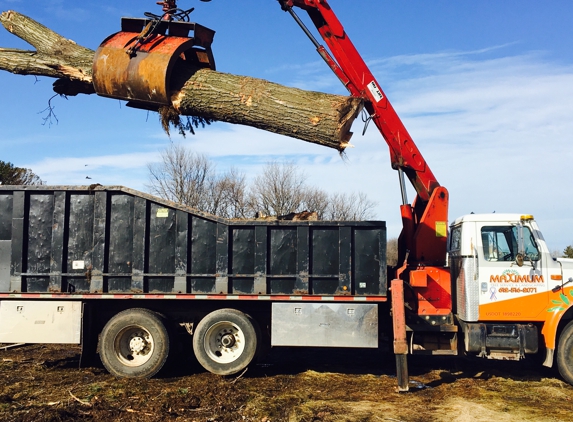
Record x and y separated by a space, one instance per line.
485 88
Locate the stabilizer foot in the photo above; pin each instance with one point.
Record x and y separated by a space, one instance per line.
402 373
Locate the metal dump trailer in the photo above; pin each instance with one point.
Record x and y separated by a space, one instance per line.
140 278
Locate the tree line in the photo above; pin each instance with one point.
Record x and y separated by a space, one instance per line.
12 175
281 188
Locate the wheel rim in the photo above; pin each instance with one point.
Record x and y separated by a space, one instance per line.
224 342
134 346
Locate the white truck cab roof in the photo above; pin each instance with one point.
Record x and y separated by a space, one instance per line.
491 217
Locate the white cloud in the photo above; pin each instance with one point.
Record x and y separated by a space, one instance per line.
63 10
105 169
497 133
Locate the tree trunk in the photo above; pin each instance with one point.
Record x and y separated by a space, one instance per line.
315 117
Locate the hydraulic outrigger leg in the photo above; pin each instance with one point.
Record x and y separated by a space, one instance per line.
399 328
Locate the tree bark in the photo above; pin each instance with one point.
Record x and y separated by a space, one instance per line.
315 117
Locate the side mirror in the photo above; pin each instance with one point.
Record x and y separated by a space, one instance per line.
519 259
520 243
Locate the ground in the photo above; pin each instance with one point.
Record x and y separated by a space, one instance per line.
44 383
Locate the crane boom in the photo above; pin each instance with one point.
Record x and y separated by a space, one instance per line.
351 69
424 221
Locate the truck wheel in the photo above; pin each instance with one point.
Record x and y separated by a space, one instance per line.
134 344
225 341
565 353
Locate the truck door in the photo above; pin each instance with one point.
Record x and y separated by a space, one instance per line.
509 291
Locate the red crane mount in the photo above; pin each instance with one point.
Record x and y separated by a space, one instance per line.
136 63
421 289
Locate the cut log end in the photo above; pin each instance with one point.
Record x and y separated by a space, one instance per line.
6 17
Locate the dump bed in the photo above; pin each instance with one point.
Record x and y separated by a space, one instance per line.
109 240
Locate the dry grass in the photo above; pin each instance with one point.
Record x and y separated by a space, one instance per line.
42 383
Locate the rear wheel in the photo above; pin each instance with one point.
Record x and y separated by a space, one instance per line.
225 341
565 353
134 344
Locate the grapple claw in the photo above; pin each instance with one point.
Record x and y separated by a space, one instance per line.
136 68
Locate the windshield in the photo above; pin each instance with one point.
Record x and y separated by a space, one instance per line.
500 243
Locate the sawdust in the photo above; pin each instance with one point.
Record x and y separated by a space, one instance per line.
169 116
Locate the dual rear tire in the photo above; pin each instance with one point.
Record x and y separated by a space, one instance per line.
135 343
225 341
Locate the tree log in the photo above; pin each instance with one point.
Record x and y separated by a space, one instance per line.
315 117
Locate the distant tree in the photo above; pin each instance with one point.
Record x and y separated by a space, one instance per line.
279 190
182 176
230 196
392 252
351 207
316 200
191 179
11 175
568 252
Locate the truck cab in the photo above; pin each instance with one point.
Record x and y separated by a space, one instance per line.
510 293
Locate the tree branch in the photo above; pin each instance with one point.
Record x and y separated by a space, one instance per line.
46 41
55 56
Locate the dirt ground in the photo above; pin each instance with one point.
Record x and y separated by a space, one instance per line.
43 383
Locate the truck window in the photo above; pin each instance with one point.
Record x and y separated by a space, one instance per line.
531 250
456 238
500 243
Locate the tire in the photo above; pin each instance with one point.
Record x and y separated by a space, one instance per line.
565 353
134 344
225 341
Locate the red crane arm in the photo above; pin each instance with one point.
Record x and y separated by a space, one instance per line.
351 69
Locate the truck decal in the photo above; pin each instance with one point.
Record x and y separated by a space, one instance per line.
531 306
375 91
512 276
563 302
525 307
